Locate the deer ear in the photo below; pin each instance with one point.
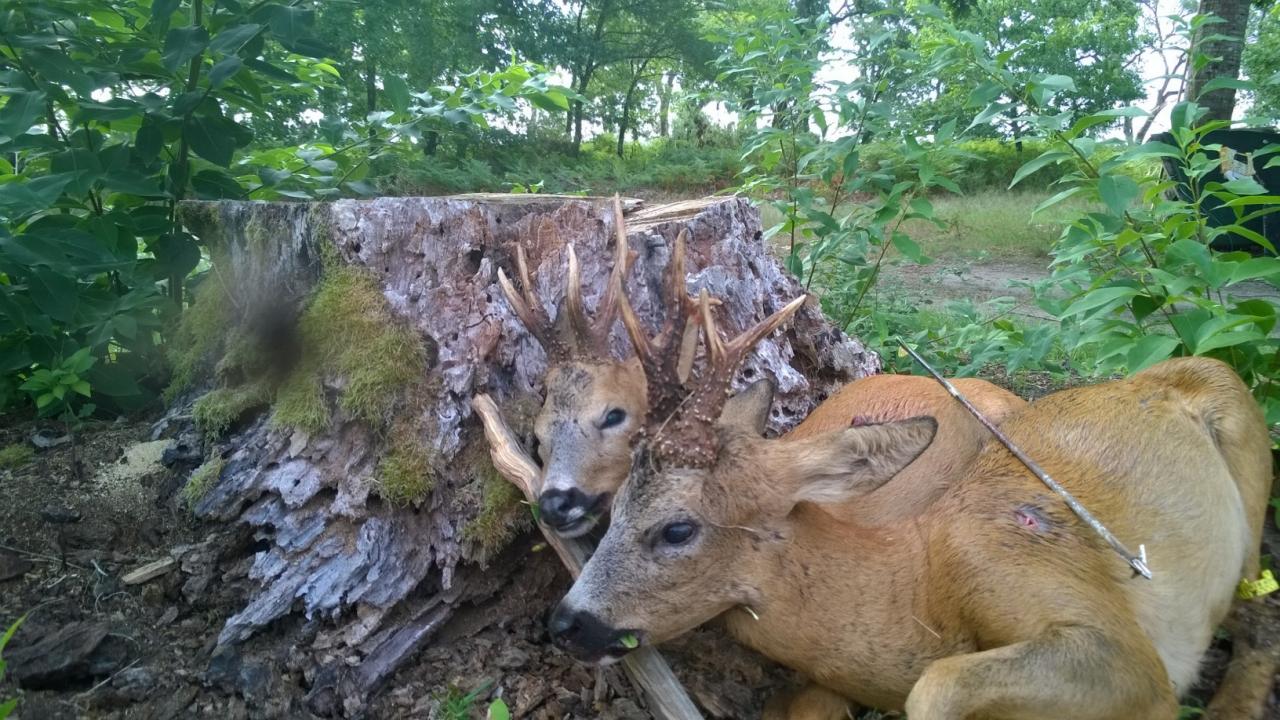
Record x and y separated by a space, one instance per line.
749 409
839 466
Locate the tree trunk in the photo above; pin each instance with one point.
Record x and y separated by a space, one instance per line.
353 337
664 104
370 88
1224 57
624 121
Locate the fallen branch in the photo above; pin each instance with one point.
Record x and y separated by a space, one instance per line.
666 698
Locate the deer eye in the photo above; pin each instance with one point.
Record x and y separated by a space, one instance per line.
613 418
678 533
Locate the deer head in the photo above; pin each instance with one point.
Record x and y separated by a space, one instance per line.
594 403
705 512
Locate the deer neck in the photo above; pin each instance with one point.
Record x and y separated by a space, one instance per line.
839 598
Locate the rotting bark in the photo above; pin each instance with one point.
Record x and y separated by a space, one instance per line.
377 580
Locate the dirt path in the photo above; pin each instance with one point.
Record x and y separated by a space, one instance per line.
947 280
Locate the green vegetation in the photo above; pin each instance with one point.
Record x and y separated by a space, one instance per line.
7 706
218 410
201 480
351 331
501 515
300 402
406 472
198 336
15 456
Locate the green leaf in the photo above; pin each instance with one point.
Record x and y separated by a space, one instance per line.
132 182
1117 191
44 399
989 112
290 23
54 294
182 44
551 101
210 138
498 710
230 40
18 199
1102 297
20 113
216 185
629 641
397 92
82 388
1150 350
1220 83
149 139
1057 198
176 254
1050 156
224 70
908 247
162 9
1244 186
58 68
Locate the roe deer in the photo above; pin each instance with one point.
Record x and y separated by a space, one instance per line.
994 601
595 404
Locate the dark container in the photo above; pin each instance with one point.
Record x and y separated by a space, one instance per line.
1240 142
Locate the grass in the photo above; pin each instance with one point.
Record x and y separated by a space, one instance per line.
300 402
201 480
15 456
198 335
985 224
501 517
216 411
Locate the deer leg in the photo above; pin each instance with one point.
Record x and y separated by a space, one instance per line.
812 702
1067 672
1254 657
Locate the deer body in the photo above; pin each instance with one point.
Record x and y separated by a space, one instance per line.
995 601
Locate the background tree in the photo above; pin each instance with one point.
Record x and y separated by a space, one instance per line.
1219 45
1096 42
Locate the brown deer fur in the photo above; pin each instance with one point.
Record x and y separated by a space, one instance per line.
994 601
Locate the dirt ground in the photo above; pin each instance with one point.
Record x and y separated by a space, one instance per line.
82 516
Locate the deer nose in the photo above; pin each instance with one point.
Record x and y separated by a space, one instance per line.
582 632
561 508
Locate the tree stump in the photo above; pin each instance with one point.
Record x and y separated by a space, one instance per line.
329 360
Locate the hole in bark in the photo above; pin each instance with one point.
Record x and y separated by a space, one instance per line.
473 260
748 373
355 247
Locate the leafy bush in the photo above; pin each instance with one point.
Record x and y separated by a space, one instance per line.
7 706
114 112
1136 278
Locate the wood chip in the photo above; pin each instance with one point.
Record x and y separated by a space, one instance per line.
150 571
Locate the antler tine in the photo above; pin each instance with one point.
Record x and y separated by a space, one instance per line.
690 440
522 267
529 311
608 310
578 323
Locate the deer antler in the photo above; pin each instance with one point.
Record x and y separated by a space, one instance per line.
688 438
666 358
578 338
593 338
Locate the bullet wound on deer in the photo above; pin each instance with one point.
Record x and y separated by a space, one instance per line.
1138 561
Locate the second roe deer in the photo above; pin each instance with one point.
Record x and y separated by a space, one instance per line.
595 403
